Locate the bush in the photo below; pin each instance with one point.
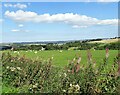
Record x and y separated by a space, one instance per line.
33 76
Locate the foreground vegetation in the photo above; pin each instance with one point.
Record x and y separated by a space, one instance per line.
25 75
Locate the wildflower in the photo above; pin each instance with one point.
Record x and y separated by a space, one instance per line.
77 87
60 51
107 52
18 52
52 57
15 51
119 68
77 67
94 64
35 52
89 55
69 71
70 85
12 68
94 49
30 89
34 86
64 90
96 71
73 59
11 60
65 74
7 67
79 60
72 70
18 68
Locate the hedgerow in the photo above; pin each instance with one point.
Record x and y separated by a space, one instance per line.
40 76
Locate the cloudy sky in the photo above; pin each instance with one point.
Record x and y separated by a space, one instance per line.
45 21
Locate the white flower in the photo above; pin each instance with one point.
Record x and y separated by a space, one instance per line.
71 85
35 52
52 57
12 68
74 59
18 68
60 51
34 86
15 51
7 67
11 60
65 74
79 60
18 52
77 86
64 90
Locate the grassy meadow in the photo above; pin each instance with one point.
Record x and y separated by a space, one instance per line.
61 58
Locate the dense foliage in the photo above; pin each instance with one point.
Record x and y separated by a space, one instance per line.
33 76
77 45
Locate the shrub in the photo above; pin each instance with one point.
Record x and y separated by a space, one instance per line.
40 76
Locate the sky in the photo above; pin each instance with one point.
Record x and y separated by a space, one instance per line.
58 21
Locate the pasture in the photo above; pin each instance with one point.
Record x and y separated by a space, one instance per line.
61 58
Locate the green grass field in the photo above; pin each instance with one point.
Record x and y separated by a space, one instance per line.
61 58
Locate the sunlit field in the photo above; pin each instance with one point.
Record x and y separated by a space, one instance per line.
61 58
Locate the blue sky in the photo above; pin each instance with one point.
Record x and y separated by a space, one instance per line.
51 21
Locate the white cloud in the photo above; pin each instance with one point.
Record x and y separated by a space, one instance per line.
20 25
76 26
18 30
15 30
75 20
18 5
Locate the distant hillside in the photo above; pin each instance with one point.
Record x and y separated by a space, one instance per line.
106 41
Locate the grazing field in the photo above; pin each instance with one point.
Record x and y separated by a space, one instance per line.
61 58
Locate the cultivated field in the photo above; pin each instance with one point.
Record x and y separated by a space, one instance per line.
106 41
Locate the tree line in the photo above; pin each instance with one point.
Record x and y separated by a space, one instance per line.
77 45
